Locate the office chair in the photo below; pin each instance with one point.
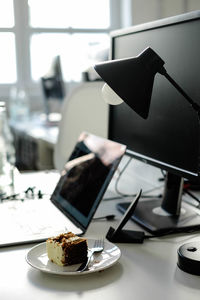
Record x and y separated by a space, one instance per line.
83 110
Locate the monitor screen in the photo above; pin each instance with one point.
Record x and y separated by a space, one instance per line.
169 137
85 177
52 82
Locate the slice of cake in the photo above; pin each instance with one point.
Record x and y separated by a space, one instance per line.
67 249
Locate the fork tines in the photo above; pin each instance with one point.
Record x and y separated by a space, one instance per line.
99 243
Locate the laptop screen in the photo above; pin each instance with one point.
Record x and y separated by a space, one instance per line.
86 176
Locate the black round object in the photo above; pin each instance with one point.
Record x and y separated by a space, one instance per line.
189 258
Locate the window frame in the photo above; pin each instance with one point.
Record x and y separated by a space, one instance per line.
23 32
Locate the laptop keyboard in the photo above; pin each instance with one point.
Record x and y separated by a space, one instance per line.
31 219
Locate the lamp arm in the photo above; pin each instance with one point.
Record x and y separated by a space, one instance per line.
195 105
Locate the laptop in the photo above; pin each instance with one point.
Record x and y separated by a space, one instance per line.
82 184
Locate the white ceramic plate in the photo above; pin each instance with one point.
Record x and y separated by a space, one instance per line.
37 258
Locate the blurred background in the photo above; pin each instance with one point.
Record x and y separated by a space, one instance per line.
48 48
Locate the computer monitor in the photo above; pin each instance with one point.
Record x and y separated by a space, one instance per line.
170 138
53 84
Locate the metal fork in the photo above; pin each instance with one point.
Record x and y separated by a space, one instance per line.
97 248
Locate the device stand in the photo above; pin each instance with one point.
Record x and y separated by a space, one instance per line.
165 215
126 236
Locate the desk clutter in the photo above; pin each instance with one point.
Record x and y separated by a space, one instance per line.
29 193
74 200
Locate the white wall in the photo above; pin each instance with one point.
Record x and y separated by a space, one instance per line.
142 11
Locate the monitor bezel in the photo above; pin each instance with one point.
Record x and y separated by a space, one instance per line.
183 18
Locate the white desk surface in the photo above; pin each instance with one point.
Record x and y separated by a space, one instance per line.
144 271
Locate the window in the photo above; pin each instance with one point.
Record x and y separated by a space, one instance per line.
6 14
7 42
7 58
72 29
32 32
69 13
75 51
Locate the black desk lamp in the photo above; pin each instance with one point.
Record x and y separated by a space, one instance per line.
132 80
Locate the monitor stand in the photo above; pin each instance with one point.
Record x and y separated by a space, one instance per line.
166 215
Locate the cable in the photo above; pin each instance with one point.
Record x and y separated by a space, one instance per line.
108 218
163 174
185 188
123 195
119 177
192 196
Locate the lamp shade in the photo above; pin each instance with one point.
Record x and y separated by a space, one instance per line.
132 78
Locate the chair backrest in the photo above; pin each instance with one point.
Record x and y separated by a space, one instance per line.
83 110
